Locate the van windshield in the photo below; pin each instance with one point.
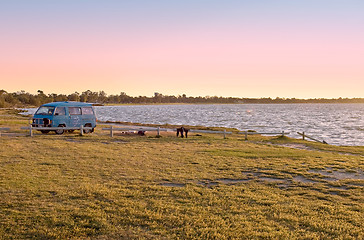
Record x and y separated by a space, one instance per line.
45 111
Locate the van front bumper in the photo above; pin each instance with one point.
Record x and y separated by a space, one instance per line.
41 122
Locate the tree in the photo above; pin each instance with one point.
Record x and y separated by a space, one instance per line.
102 97
74 97
2 98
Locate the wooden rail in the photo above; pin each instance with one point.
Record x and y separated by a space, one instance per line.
305 136
158 130
112 129
31 129
3 129
211 131
257 133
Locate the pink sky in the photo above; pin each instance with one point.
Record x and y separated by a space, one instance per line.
239 50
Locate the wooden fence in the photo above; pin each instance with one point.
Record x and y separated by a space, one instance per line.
314 139
112 129
3 129
31 129
257 133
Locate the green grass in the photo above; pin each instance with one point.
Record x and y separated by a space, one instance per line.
97 187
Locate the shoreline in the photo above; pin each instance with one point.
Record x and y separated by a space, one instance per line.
169 115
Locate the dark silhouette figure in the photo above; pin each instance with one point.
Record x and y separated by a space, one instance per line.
182 130
179 130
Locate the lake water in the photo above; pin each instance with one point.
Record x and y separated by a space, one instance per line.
339 124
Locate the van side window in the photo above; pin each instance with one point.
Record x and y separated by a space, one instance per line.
87 111
60 111
74 110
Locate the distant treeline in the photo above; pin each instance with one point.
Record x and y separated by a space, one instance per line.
22 98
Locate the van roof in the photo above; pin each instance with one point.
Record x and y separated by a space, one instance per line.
63 104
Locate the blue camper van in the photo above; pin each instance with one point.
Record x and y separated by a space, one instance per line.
65 114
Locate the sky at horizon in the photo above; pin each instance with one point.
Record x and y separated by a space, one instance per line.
280 48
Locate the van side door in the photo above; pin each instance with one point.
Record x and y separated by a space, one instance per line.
75 116
60 117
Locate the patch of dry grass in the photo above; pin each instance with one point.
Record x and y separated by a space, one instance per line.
202 187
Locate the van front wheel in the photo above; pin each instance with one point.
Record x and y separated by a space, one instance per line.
60 131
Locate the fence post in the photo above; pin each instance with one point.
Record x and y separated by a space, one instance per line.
111 132
224 133
282 133
31 130
303 135
81 130
158 129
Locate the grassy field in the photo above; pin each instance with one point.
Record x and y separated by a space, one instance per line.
202 187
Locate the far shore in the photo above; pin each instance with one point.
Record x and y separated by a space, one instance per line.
151 104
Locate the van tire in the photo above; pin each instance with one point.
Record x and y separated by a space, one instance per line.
60 131
87 131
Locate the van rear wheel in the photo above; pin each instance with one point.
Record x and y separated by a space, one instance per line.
60 131
86 131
